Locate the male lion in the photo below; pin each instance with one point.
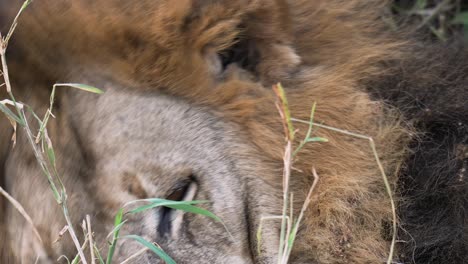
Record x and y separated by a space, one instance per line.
188 113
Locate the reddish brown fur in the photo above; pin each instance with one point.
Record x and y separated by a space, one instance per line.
340 45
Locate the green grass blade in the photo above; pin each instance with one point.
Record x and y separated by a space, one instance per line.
118 224
80 86
10 114
156 202
158 251
317 139
195 210
292 235
186 206
51 155
284 105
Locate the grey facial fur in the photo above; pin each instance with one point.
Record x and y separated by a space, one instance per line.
142 145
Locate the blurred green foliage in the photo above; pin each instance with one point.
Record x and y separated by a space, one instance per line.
440 19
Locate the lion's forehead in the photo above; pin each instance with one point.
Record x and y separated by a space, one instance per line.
123 116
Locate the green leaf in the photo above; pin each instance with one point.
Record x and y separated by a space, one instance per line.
292 237
460 18
186 206
158 251
284 110
195 210
80 86
76 259
259 241
51 155
118 224
25 4
10 114
316 139
118 217
156 202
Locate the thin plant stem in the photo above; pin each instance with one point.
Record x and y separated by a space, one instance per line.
22 211
72 232
309 131
388 188
137 254
305 205
286 176
260 227
6 75
90 238
60 197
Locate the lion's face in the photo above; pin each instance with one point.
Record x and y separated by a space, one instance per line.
158 130
145 144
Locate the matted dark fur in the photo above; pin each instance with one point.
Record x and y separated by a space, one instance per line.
188 100
430 87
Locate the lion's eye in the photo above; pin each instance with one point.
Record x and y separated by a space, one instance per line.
170 220
243 53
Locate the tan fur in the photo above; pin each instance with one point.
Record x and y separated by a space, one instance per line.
321 51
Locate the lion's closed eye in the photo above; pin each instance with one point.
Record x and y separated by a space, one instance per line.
170 220
243 53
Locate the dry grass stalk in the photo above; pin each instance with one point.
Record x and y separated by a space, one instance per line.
388 188
137 254
90 237
47 165
22 211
